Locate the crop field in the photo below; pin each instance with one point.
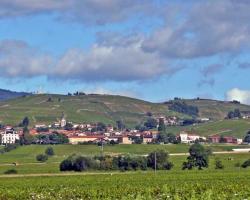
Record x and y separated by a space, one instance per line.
36 180
135 185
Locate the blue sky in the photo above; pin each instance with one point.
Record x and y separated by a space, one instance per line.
153 50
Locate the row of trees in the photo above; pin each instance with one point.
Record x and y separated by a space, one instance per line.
155 160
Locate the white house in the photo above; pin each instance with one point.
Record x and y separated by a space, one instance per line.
189 138
9 136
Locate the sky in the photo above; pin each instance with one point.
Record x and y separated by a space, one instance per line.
149 49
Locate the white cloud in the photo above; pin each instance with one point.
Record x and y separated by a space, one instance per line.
100 63
240 95
84 11
208 28
18 59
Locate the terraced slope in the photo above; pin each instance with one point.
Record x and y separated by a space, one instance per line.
88 108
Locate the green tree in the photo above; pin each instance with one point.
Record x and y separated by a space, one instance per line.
25 122
26 138
49 151
247 137
199 157
41 157
151 123
160 158
162 126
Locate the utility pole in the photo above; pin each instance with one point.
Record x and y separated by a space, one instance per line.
155 162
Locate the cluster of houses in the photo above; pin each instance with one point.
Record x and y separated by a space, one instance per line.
83 133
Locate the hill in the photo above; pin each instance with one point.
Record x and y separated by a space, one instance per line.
84 108
110 108
7 94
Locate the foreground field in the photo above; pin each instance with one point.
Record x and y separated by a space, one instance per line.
138 185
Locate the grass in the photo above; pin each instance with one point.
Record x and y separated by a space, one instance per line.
25 156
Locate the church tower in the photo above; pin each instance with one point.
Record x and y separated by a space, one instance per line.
63 121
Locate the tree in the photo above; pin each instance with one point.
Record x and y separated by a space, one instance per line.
41 157
247 137
120 125
151 123
66 165
137 139
234 114
26 138
49 151
25 122
162 126
199 157
160 159
100 126
167 138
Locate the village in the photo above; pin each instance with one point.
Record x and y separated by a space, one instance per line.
95 134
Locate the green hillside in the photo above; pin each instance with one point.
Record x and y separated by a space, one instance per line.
237 128
214 109
87 108
110 108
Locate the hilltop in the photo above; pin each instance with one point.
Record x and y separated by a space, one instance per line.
104 108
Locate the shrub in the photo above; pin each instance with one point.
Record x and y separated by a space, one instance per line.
49 151
41 157
246 164
11 171
78 163
10 147
218 164
66 165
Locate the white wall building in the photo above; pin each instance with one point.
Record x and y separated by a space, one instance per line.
189 138
9 136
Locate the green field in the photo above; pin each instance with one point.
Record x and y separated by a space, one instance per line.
25 156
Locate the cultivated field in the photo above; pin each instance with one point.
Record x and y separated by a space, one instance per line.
195 184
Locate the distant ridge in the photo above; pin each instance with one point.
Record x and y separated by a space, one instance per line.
8 94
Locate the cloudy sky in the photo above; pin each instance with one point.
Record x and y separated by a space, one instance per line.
150 49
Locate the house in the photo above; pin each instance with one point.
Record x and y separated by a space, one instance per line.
214 138
9 136
229 139
126 140
188 137
90 138
147 139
